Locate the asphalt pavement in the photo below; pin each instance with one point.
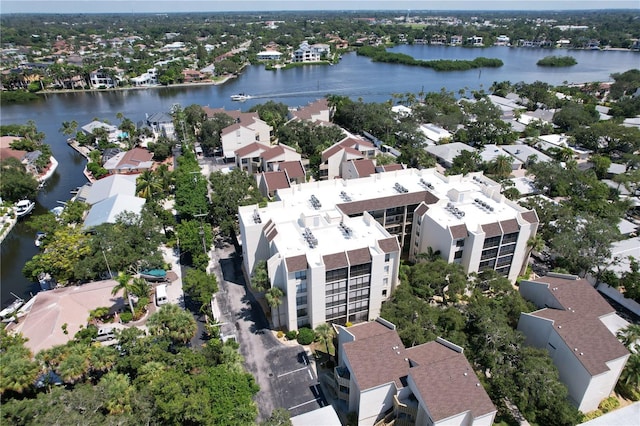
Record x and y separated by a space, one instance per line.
286 378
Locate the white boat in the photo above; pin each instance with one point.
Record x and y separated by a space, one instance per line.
24 207
12 308
241 97
39 237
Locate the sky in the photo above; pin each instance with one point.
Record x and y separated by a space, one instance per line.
165 6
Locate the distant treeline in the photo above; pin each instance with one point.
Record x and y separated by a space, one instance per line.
557 61
380 54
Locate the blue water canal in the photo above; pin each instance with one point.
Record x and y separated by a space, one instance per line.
356 77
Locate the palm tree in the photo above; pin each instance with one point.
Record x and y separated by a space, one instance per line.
148 185
325 334
534 243
274 299
124 285
630 337
69 128
500 167
173 322
630 375
74 366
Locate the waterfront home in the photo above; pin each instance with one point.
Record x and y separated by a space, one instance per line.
42 325
135 160
149 78
93 128
269 55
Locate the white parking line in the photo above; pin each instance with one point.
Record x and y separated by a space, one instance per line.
310 375
290 372
305 403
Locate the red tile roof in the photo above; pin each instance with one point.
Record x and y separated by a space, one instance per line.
387 202
443 376
297 263
579 325
294 169
359 256
447 383
365 167
458 232
389 245
244 118
314 108
492 229
335 261
256 148
392 167
275 180
530 216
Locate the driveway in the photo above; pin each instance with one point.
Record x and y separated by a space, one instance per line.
285 379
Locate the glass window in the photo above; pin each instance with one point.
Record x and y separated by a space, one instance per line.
459 243
387 257
458 255
336 274
301 300
358 270
301 287
301 275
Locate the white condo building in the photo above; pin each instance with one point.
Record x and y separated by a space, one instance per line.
334 246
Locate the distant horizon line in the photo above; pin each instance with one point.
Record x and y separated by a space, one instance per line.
248 12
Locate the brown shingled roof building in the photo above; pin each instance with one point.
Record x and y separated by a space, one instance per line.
577 326
428 384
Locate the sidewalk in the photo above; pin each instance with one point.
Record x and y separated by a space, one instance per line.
175 293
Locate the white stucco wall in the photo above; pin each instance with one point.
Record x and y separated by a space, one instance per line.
601 386
374 402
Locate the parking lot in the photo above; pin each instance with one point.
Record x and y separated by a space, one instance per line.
286 378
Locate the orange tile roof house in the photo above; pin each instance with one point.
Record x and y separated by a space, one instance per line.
349 148
429 384
574 324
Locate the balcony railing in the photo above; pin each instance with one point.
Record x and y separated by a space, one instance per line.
406 411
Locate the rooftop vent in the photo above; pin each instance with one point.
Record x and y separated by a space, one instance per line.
346 230
310 238
345 196
401 189
426 184
315 202
256 217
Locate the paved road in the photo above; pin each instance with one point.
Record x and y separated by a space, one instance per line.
286 378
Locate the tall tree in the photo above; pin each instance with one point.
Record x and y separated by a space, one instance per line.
124 285
174 323
228 192
274 298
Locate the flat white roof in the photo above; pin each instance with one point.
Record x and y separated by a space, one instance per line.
458 191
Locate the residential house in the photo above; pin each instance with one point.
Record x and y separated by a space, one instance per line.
135 160
445 153
317 111
269 55
295 170
192 76
270 182
426 385
490 152
576 325
281 175
502 40
109 197
456 40
310 53
102 79
161 124
476 41
247 129
112 131
525 154
149 78
249 157
277 154
350 148
435 134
